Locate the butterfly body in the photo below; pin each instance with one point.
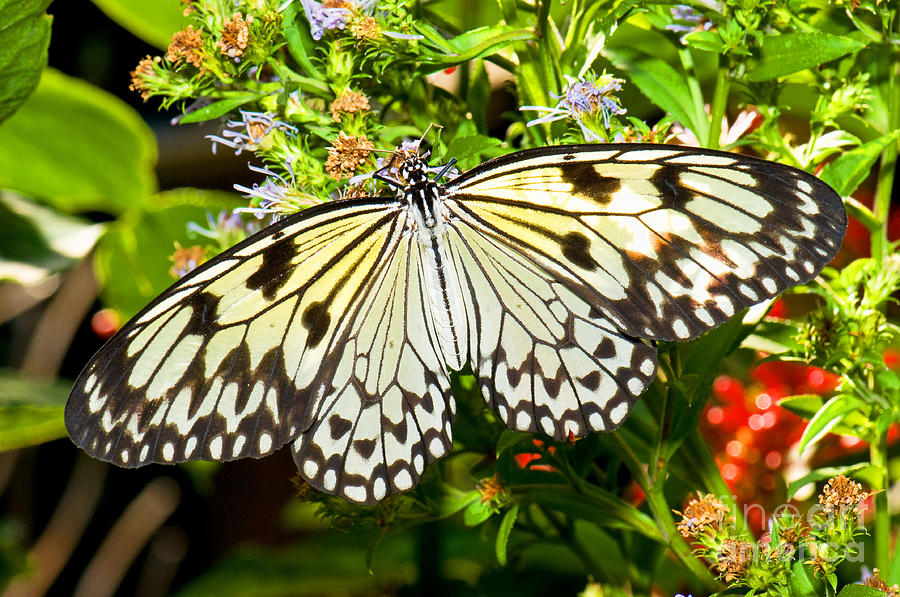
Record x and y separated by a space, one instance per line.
545 270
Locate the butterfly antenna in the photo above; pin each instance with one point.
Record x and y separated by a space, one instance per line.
444 170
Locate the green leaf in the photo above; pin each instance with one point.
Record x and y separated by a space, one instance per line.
851 168
786 54
803 581
707 41
662 84
600 507
77 148
141 244
468 150
24 39
153 21
31 410
823 473
38 242
218 108
478 43
827 417
503 533
803 405
477 512
860 591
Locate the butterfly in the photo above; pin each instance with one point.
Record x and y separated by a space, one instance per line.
550 271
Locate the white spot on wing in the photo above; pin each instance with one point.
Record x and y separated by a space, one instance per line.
215 447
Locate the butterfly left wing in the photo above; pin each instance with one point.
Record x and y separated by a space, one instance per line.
570 254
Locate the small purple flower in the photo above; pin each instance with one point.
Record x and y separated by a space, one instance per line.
276 196
583 100
323 19
244 134
691 20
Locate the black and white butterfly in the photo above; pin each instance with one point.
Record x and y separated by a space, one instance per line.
547 270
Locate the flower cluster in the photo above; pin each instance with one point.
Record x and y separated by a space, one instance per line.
818 540
590 102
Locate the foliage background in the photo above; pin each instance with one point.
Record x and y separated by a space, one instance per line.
102 186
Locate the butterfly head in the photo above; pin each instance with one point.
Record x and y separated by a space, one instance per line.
414 170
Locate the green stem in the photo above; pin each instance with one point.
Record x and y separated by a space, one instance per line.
882 535
885 186
663 515
702 132
717 110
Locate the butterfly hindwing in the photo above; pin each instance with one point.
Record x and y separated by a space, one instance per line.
387 409
546 360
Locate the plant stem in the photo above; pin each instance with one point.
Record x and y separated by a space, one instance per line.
663 515
717 110
882 535
885 185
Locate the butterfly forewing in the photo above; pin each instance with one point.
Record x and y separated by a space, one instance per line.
213 367
666 242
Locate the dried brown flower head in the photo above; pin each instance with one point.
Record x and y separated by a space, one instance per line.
354 192
235 35
841 494
702 513
188 7
365 27
336 4
186 259
186 45
491 488
346 154
348 102
140 75
734 559
876 583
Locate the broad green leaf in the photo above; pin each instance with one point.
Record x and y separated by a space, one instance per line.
827 417
31 411
803 405
503 533
852 167
38 241
860 591
154 21
78 148
141 244
792 52
24 39
662 84
600 507
820 474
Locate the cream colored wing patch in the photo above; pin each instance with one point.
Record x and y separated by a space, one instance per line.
666 242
